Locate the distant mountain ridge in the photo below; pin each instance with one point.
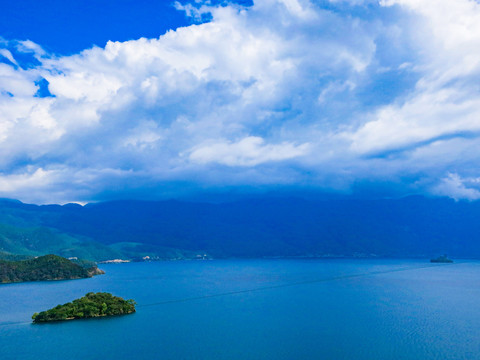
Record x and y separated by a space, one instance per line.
262 227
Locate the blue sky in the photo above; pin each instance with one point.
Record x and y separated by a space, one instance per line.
155 99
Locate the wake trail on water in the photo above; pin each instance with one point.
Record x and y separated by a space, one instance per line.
12 323
297 283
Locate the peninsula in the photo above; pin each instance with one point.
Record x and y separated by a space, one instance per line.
42 268
90 306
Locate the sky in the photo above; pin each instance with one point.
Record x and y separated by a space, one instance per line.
103 99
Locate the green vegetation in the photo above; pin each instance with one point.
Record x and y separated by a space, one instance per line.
13 257
48 267
20 243
36 241
89 306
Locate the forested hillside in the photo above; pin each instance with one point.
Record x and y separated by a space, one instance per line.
48 267
413 226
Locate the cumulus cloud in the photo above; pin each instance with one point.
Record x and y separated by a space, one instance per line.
331 94
457 188
249 151
29 180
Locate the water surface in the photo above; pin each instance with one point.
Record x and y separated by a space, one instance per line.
297 309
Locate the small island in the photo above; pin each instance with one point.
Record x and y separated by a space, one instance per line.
47 267
442 259
90 306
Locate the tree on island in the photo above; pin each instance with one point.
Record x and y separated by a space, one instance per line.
91 305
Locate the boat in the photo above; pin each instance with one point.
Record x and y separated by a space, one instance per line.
441 259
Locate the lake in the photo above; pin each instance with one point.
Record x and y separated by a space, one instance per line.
257 309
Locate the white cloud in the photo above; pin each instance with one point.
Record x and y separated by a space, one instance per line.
426 116
283 86
8 55
249 151
301 9
27 46
457 188
34 179
16 82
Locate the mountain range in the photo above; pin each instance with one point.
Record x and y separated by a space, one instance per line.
413 226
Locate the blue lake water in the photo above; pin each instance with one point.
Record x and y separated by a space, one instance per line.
299 309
